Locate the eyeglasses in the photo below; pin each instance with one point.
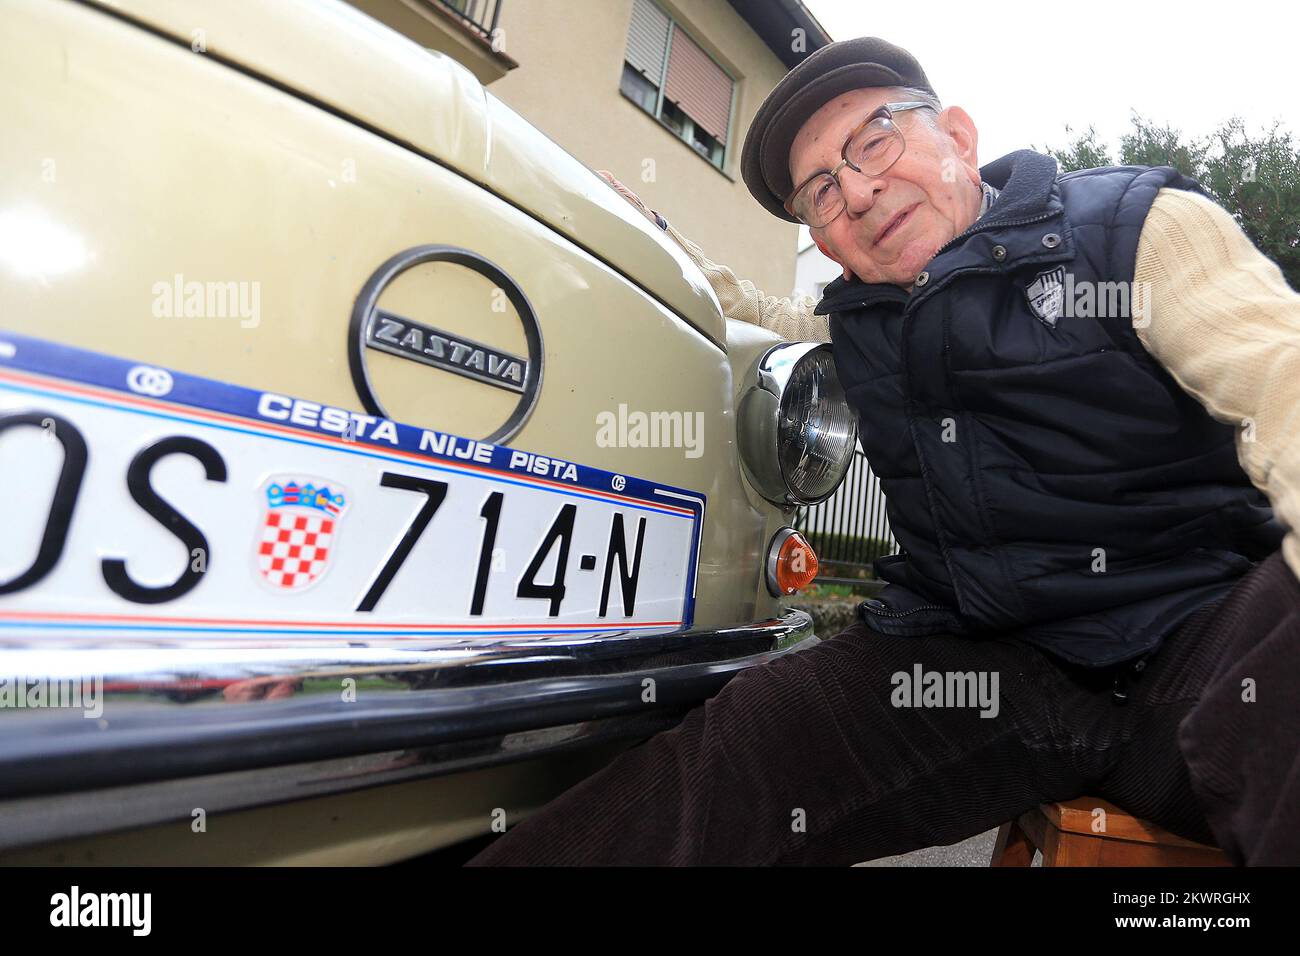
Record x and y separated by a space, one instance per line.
870 149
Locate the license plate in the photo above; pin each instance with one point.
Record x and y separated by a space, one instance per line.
138 501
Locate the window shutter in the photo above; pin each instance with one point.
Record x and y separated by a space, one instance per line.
647 40
698 86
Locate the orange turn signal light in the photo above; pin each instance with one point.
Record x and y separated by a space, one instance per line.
791 563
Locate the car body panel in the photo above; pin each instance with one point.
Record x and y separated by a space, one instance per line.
352 64
364 827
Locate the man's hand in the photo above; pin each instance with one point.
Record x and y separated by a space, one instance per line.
627 194
791 319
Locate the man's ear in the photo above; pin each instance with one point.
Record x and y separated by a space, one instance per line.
825 250
956 122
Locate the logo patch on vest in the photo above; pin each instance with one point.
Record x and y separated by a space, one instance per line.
1046 295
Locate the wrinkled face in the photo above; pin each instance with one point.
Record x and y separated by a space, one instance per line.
895 222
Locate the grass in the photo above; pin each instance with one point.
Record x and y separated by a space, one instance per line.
831 592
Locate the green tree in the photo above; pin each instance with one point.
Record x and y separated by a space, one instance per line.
1085 151
1255 176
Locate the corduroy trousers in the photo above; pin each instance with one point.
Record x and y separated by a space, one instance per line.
854 750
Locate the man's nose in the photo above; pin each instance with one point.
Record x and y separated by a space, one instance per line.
859 191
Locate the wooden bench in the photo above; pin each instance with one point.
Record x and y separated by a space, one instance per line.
1071 834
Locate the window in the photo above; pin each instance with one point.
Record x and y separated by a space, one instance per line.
669 76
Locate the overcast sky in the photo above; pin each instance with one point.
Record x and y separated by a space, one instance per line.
1024 70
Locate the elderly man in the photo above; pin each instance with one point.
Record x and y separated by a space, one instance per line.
1077 392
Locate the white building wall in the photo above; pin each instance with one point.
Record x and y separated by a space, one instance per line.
812 269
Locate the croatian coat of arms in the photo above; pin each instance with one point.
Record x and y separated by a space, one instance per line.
299 529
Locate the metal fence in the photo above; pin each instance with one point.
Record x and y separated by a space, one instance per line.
480 15
850 529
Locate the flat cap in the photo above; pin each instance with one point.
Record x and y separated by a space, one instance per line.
835 69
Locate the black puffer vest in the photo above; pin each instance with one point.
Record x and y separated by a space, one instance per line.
1045 477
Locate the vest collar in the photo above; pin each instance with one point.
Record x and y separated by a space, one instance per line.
1027 197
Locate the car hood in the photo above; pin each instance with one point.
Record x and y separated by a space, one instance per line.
342 60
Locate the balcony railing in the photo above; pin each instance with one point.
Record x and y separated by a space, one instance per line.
480 16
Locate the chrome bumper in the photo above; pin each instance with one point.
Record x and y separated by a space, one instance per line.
250 725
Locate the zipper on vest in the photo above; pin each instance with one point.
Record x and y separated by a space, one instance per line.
888 613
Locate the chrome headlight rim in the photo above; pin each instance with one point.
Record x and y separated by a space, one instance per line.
759 425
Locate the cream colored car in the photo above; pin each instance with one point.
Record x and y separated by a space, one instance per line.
370 471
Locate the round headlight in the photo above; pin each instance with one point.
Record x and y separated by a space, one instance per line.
797 432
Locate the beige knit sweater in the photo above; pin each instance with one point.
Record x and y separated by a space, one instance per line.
1221 319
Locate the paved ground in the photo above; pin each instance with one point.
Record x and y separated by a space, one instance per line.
973 852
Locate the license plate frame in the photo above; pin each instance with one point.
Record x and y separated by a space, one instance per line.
60 382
